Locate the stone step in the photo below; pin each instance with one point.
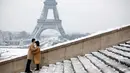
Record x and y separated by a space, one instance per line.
51 68
118 66
68 66
116 57
122 48
101 65
128 42
44 69
120 52
36 72
90 67
58 68
125 45
78 68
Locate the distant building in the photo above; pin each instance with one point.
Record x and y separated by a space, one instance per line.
1 37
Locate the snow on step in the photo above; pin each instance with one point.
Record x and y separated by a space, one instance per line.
122 48
125 45
68 67
116 65
128 42
121 59
105 68
123 53
35 72
88 65
77 66
51 68
58 68
44 69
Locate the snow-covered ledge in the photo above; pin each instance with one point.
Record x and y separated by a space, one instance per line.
66 50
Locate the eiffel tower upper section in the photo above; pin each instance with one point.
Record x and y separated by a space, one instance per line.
43 23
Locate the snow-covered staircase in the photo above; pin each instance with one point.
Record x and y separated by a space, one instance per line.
115 59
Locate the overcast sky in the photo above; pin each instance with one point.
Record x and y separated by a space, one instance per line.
77 15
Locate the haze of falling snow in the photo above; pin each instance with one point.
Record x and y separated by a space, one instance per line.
77 15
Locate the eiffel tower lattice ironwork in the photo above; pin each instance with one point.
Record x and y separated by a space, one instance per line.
43 23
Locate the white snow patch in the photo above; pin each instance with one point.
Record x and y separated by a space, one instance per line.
11 53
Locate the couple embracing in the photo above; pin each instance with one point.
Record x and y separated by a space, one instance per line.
34 54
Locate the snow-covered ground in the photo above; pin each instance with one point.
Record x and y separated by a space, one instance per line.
10 53
50 41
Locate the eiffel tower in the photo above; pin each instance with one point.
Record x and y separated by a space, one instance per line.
43 23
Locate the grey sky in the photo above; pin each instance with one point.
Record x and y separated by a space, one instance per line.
76 15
